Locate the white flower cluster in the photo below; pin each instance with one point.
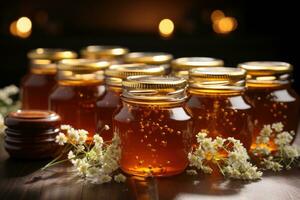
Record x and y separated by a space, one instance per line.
284 156
97 162
228 154
2 126
6 93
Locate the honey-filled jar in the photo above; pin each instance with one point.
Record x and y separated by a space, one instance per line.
269 91
218 105
114 54
109 102
181 66
153 125
151 58
38 83
80 85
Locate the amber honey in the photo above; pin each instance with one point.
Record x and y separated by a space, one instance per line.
80 85
114 54
153 125
151 58
181 66
218 105
270 93
109 102
36 86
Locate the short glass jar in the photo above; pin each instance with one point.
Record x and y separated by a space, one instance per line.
153 125
217 103
181 66
150 58
38 83
108 103
270 93
114 54
80 85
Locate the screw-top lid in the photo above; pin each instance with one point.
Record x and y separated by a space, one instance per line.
82 69
151 58
267 71
217 78
116 73
155 88
103 51
51 54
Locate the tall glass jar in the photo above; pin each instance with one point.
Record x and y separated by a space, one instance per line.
114 54
270 93
80 85
108 103
37 84
216 100
151 58
153 125
181 66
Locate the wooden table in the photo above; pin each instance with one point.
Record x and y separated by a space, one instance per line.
24 180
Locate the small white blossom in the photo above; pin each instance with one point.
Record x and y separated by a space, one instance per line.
71 155
120 178
191 172
278 127
106 127
65 127
61 139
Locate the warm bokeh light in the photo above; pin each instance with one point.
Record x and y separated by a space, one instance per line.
217 15
166 27
225 25
21 28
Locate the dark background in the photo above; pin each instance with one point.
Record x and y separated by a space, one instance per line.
267 30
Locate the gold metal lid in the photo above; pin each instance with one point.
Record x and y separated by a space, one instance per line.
163 89
82 69
116 73
267 72
151 58
217 78
187 63
43 66
100 51
51 54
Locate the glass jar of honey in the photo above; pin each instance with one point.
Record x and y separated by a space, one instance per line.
217 103
150 58
36 86
270 93
80 85
181 66
108 103
114 54
153 125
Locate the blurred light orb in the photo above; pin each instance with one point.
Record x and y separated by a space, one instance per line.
225 25
21 28
166 27
217 15
24 25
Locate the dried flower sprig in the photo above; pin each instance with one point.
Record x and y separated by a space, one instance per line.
229 155
95 161
273 149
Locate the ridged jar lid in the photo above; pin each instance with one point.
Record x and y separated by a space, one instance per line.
51 54
155 88
84 65
99 51
32 119
217 78
151 58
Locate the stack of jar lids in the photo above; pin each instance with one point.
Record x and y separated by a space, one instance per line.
181 66
116 73
30 134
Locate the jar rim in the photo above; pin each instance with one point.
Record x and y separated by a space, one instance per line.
186 63
154 58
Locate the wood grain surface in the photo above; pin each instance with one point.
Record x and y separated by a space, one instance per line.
24 180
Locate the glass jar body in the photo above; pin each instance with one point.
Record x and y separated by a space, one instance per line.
106 105
221 114
36 88
155 139
271 105
75 102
